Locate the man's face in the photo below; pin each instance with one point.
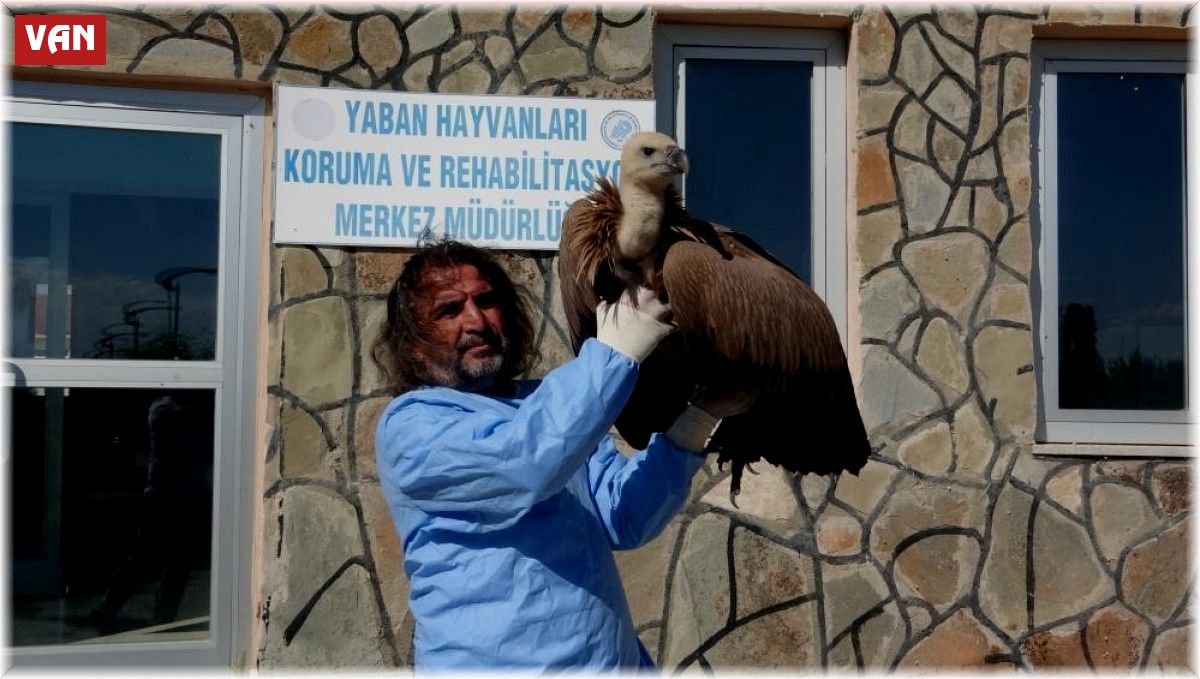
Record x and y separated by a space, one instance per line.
469 347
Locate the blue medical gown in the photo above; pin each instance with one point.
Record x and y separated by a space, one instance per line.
509 509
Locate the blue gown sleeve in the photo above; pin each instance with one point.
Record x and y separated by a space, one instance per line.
483 470
637 496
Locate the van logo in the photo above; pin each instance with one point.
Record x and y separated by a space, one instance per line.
59 40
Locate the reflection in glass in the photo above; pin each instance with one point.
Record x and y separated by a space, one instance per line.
114 244
749 138
111 509
1121 224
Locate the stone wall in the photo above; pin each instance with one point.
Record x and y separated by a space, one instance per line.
955 546
978 552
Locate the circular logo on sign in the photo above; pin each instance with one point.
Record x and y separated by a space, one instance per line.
617 127
313 119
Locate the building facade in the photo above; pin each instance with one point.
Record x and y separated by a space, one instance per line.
1028 502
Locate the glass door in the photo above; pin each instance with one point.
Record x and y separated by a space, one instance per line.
129 307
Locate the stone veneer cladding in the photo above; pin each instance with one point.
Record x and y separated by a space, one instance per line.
954 547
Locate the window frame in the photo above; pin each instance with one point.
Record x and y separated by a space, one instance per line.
1107 432
826 50
232 375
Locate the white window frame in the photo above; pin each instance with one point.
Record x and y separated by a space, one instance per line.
239 121
674 44
1103 432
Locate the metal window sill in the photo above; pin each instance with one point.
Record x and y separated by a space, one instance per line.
1112 450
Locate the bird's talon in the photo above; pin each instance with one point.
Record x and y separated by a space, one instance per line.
751 470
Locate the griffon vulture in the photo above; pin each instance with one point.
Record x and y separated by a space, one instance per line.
746 322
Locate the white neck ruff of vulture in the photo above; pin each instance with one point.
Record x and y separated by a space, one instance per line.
641 223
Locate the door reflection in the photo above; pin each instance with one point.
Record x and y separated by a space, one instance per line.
111 505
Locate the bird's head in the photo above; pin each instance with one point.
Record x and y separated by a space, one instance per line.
651 160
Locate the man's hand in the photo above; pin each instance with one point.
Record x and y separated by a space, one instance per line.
635 324
646 301
708 407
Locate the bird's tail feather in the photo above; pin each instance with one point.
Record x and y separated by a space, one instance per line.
811 430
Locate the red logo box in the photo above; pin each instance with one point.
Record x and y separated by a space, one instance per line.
59 40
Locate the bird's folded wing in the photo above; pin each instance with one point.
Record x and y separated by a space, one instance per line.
575 275
749 309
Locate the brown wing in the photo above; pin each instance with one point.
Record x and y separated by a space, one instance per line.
579 300
749 310
750 322
584 262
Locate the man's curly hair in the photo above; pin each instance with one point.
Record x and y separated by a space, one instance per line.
398 350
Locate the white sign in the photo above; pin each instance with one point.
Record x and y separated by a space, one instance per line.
381 169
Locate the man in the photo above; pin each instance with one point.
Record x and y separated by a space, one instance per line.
509 496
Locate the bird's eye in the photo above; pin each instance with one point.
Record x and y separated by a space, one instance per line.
647 151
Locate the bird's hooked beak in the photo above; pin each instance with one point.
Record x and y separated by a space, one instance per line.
677 159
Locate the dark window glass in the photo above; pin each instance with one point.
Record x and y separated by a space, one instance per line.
1121 247
111 510
749 136
114 243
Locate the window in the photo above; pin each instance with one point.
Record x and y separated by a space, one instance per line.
131 295
761 113
1113 207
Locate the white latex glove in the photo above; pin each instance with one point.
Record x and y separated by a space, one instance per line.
635 324
692 429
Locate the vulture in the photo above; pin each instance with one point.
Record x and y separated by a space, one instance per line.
746 322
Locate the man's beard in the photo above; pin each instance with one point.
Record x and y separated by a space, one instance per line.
460 371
